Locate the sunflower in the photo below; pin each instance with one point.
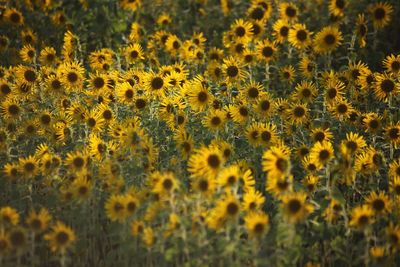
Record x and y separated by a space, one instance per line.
13 16
198 95
322 152
305 92
228 176
133 53
204 185
276 161
298 113
260 12
242 30
385 86
341 109
60 238
280 30
166 184
355 70
11 171
253 133
115 208
11 109
228 207
266 50
173 45
253 200
257 224
240 112
215 119
206 161
28 53
361 216
9 216
131 5
353 144
337 7
38 221
233 70
392 64
72 75
333 211
393 235
361 30
98 81
295 207
76 161
252 91
299 36
29 166
27 75
5 245
264 107
372 122
334 90
392 134
307 67
53 85
184 142
327 40
18 238
366 80
380 14
379 202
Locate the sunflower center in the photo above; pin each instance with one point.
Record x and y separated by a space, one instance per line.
227 153
256 29
324 154
378 204
91 122
284 31
72 77
282 164
340 4
129 93
294 206
265 105
134 54
17 238
180 119
186 146
78 162
290 12
351 145
240 31
374 124
266 136
167 184
319 136
243 111
202 97
231 179
232 71
213 161
29 167
98 82
5 89
140 103
342 108
301 35
15 18
267 51
45 119
107 114
379 13
394 133
257 13
299 112
82 190
254 134
387 86
157 83
30 75
203 185
330 39
232 208
56 84
62 238
395 66
253 92
13 109
215 121
363 220
259 228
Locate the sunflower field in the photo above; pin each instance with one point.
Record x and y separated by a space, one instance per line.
199 133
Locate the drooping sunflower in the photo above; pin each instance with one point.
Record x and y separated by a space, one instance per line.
61 237
295 207
380 14
327 40
299 36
